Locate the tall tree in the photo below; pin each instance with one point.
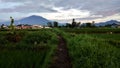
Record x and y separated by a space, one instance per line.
73 23
78 24
49 24
93 23
68 25
12 22
2 26
55 24
88 24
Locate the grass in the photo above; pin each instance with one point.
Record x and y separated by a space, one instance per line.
107 36
112 39
92 52
22 58
33 49
91 30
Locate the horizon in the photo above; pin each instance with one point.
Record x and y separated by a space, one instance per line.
34 16
61 11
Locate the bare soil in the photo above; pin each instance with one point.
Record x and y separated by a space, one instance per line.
61 59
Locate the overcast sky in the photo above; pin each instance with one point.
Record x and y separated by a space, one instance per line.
61 10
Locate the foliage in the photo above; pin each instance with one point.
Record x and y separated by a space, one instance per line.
93 48
55 24
14 36
49 24
92 52
2 26
73 23
33 50
91 30
88 25
11 24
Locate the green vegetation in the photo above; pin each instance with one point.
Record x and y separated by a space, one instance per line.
27 49
92 30
107 36
12 23
93 50
88 47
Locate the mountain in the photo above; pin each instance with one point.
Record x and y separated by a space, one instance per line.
34 20
111 22
31 20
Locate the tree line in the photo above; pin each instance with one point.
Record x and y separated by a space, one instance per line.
55 24
74 24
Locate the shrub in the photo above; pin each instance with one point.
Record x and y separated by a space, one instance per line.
14 36
37 37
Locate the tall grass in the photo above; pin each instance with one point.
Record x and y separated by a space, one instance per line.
92 52
33 50
91 30
107 36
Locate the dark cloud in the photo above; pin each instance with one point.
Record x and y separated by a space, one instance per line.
96 7
28 6
28 9
103 7
88 18
15 0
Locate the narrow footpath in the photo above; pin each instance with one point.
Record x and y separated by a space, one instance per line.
61 58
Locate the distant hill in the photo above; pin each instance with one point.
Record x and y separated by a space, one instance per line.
34 20
108 23
31 20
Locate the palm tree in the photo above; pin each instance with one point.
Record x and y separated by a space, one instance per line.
11 24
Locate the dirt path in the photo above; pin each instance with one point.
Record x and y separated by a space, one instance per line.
61 58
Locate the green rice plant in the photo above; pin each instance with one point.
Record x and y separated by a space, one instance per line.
22 58
107 36
92 52
3 41
91 30
38 37
34 50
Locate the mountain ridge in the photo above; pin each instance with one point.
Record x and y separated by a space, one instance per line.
110 22
39 20
31 20
34 19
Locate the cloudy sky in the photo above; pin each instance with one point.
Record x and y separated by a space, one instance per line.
61 10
